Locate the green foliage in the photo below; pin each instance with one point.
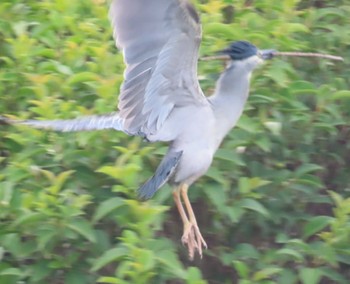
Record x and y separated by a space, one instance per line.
275 205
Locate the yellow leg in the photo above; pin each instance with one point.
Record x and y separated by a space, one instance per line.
192 218
191 237
176 195
187 237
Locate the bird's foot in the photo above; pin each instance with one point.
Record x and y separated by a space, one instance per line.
193 239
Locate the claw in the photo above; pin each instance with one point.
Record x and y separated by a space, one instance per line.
193 239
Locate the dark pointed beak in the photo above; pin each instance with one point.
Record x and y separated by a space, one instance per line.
267 53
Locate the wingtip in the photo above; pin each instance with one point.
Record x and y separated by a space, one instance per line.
161 176
145 192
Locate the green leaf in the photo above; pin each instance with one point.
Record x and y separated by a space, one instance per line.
108 257
27 218
343 94
82 77
217 196
337 198
241 268
109 280
290 252
310 275
147 259
248 184
255 206
107 207
278 73
40 270
60 180
247 251
307 168
216 175
287 276
316 224
45 237
76 276
83 228
336 277
125 173
228 155
194 276
11 271
296 27
64 69
329 12
219 28
248 124
266 273
169 259
264 143
302 87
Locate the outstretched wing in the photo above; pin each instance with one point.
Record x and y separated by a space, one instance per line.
160 41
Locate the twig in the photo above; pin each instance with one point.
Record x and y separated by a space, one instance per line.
215 57
309 54
280 53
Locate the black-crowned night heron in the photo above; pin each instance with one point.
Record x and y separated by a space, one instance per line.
161 99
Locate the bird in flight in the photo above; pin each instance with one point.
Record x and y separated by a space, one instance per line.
161 99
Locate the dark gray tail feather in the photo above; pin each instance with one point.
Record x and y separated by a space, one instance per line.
84 123
162 175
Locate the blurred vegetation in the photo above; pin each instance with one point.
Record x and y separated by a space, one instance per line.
273 208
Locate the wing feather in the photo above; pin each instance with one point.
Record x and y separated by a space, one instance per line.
160 41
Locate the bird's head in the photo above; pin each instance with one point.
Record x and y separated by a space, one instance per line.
247 54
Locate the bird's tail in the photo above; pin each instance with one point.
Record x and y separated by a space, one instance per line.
161 176
85 123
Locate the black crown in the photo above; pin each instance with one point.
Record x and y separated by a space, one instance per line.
240 50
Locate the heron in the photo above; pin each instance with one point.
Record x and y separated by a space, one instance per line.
161 98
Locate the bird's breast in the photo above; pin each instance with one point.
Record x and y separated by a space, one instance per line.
191 131
194 163
198 145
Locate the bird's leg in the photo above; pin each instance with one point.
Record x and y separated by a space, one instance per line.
188 237
199 240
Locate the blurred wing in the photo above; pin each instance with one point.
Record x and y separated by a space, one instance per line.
160 41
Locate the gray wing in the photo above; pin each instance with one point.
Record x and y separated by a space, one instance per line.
86 123
160 41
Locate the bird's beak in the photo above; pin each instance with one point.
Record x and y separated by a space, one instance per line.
266 54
